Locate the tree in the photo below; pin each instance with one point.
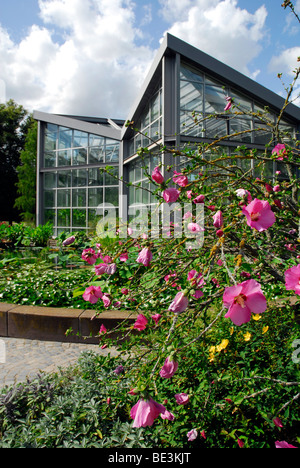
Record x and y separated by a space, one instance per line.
13 128
26 185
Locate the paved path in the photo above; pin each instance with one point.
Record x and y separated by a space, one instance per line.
20 358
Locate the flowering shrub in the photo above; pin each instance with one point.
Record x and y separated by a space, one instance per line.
216 361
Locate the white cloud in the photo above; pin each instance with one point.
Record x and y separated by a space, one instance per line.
219 28
286 62
87 56
94 68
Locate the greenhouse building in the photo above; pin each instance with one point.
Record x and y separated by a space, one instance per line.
183 83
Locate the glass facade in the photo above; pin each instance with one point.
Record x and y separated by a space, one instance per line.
76 193
140 192
204 98
149 124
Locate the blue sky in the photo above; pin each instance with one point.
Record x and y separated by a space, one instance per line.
91 56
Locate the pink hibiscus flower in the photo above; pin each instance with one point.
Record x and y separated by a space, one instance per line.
259 215
93 294
157 176
280 150
169 368
179 303
141 322
242 299
144 412
283 444
171 195
180 179
292 279
90 256
145 257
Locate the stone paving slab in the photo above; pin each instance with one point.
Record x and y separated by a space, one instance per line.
22 358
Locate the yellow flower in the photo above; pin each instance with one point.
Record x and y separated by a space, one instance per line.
231 331
247 336
265 329
256 317
212 350
222 345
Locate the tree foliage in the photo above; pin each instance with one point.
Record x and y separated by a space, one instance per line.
13 128
26 185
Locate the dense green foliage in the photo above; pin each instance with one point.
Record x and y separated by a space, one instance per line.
26 185
13 129
21 234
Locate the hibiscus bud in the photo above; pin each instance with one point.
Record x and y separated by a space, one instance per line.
145 257
169 368
218 219
170 195
179 303
69 241
157 176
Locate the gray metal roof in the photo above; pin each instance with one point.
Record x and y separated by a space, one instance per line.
98 126
172 45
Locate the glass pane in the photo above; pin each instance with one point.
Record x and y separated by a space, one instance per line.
49 216
79 197
95 197
65 138
216 127
50 180
242 103
191 96
96 140
287 133
241 125
112 179
112 196
112 151
65 179
96 155
79 178
64 218
64 198
214 99
49 198
264 136
93 218
131 191
64 158
80 139
79 218
145 193
131 173
155 107
188 125
154 161
145 119
50 159
155 130
189 74
51 137
79 156
95 177
131 147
